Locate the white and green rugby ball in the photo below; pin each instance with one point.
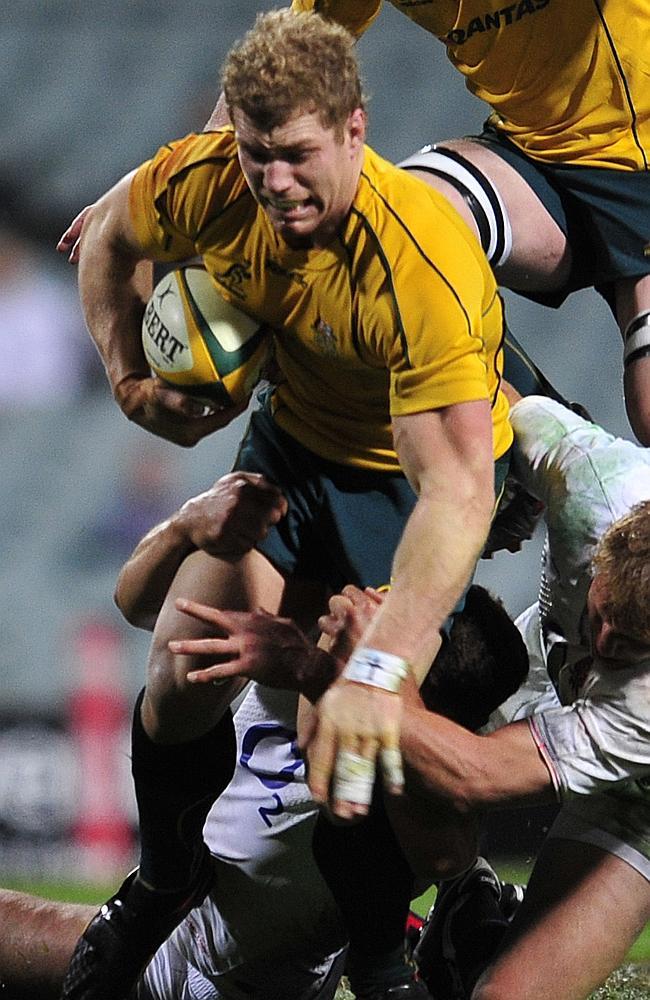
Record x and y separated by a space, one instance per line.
201 344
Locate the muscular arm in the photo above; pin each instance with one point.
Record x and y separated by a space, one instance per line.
114 286
226 520
447 456
474 772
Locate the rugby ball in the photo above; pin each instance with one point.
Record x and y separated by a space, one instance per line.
201 344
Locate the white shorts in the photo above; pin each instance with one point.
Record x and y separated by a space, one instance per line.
170 976
612 831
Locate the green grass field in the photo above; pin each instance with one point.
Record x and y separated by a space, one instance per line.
630 982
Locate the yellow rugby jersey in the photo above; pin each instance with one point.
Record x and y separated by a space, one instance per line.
399 315
569 80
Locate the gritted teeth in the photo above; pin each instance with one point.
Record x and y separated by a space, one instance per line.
285 204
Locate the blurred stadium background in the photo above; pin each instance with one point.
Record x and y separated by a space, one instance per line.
91 89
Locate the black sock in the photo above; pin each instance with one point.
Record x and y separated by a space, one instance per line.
175 786
372 883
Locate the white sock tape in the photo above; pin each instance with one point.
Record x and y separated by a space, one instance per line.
637 338
377 668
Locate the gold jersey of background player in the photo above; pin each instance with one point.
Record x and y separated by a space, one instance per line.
568 81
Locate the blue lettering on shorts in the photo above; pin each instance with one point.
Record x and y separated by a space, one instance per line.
261 745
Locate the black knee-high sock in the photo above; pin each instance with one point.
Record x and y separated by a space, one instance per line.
372 883
175 786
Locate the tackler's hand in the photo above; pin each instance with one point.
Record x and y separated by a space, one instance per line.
357 726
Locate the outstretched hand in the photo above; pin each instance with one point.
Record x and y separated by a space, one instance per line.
355 727
254 644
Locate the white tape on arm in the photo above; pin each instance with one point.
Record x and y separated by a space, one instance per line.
376 668
637 339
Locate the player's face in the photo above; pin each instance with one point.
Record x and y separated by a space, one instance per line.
304 175
607 640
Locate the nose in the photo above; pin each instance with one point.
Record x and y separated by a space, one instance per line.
278 177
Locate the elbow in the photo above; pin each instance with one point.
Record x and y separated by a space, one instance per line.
134 613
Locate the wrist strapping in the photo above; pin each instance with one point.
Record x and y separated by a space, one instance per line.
376 668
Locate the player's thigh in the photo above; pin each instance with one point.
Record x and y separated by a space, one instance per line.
632 299
583 909
540 258
246 583
36 943
437 841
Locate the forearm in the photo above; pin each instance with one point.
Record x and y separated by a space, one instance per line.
145 578
37 941
433 564
474 772
114 285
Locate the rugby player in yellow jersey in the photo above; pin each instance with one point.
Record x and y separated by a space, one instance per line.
382 434
558 183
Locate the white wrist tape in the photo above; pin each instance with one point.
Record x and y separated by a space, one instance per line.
637 339
377 668
354 777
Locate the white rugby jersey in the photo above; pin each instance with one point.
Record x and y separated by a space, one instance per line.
269 899
594 732
587 479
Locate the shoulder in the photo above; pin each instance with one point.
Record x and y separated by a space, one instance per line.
195 150
413 221
586 476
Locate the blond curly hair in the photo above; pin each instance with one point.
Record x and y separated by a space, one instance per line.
291 63
623 559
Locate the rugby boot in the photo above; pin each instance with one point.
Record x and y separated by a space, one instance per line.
123 936
463 931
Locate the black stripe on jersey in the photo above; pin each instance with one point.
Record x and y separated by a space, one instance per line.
628 95
219 215
179 175
389 275
354 330
504 329
415 243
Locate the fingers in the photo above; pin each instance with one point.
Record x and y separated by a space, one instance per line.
321 754
203 647
204 613
218 672
392 769
353 782
70 240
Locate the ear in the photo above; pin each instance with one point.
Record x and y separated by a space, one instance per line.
356 128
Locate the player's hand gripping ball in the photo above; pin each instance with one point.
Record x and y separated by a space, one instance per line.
201 344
